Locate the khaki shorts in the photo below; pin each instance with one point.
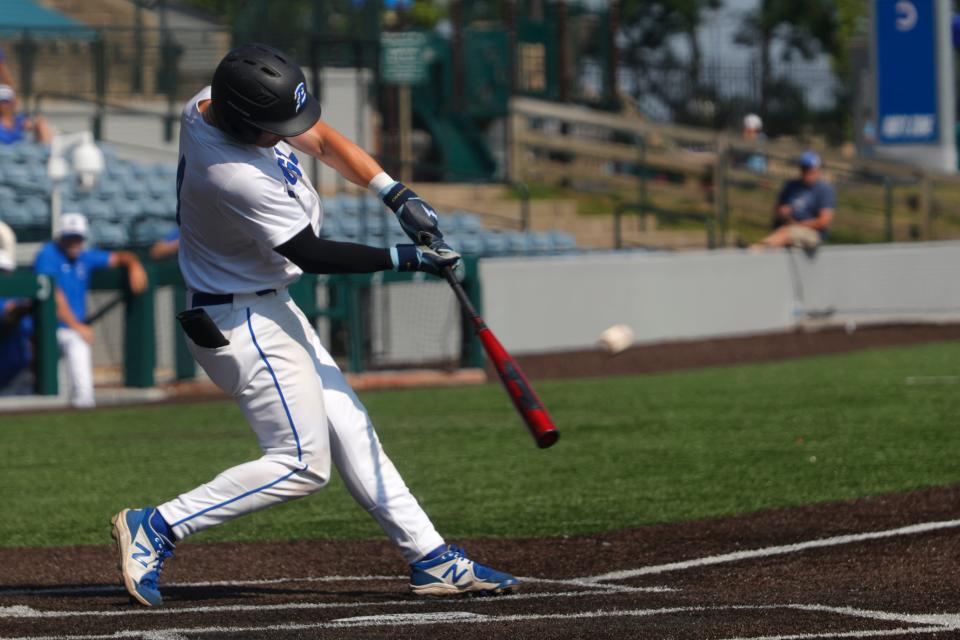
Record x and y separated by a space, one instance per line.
804 237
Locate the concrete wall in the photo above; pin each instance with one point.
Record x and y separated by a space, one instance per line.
561 303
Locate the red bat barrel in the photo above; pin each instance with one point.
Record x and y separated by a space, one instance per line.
524 398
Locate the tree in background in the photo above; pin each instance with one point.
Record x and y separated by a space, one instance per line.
647 27
802 29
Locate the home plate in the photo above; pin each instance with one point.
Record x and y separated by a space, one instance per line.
446 616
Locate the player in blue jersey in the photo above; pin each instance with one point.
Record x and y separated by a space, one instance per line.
71 265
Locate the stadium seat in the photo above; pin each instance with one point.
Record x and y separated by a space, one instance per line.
349 228
105 234
127 210
330 228
38 209
148 231
469 244
465 221
495 243
97 210
563 241
160 187
538 242
157 208
517 242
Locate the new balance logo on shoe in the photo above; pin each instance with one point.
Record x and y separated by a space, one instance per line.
452 569
140 555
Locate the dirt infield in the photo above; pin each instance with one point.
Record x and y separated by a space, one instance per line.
876 567
690 354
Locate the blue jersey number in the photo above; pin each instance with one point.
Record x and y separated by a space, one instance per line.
290 166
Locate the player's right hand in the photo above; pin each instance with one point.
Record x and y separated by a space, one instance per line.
86 332
410 257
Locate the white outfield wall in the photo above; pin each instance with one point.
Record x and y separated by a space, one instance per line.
556 303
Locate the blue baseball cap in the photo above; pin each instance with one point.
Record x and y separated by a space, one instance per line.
810 160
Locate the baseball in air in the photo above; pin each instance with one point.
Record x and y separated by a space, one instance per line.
617 338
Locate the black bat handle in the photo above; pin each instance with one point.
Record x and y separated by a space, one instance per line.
459 292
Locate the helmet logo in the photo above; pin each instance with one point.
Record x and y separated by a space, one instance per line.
300 95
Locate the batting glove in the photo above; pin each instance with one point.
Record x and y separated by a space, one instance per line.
409 257
417 218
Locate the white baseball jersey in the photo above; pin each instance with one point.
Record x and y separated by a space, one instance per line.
236 203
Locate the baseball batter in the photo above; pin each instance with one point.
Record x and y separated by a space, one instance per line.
249 220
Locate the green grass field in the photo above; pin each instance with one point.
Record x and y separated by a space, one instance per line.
634 450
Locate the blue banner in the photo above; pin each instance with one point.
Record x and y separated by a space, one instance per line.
906 71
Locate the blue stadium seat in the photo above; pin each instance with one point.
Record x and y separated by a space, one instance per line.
16 173
105 234
37 208
107 189
330 228
127 209
7 153
157 208
165 169
517 242
563 241
150 230
469 244
14 213
7 193
538 242
31 153
139 170
495 243
465 221
97 210
349 228
160 187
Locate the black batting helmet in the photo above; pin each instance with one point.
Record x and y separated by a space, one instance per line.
258 88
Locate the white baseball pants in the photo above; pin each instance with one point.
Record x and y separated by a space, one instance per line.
79 364
304 413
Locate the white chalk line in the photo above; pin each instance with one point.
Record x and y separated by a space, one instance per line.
24 611
937 623
117 589
108 589
765 552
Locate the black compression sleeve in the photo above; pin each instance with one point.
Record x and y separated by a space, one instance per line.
315 255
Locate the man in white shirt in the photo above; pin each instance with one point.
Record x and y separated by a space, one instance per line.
249 223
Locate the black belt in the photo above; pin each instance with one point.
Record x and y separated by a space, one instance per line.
204 299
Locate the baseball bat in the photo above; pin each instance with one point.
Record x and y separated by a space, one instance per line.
525 399
102 311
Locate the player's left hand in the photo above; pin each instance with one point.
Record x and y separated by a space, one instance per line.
417 218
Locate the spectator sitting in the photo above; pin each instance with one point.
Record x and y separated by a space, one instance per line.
16 328
71 265
166 246
804 211
14 126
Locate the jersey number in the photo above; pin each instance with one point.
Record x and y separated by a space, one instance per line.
290 166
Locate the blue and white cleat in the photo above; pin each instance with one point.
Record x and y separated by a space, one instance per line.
452 573
142 553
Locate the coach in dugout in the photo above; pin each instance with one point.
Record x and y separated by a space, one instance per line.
71 265
804 211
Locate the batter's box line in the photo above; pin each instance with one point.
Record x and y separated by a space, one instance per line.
27 612
766 552
112 589
937 623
